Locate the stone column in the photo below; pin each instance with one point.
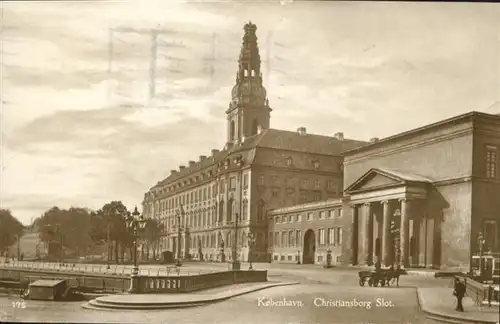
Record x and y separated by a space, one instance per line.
354 235
386 234
416 240
368 237
404 232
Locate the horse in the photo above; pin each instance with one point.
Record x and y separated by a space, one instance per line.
393 274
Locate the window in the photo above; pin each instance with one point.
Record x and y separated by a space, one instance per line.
303 196
338 236
331 213
309 216
289 183
305 183
244 212
316 164
299 218
283 239
317 196
277 220
261 180
331 236
245 181
277 239
261 209
340 213
290 238
330 185
322 215
288 161
270 238
204 193
298 238
276 193
321 236
491 162
222 186
232 183
316 184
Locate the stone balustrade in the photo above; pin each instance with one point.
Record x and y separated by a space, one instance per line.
183 284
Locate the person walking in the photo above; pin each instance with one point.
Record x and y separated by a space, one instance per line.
459 293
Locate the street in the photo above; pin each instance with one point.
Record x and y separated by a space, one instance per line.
324 296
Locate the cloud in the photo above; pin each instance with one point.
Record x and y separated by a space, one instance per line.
88 136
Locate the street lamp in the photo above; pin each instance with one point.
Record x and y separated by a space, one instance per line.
251 241
135 221
221 247
480 243
179 251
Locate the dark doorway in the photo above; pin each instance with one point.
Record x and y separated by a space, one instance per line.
309 247
378 250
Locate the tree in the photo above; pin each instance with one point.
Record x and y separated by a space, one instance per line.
109 226
10 229
69 228
152 235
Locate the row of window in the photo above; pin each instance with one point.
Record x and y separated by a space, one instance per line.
214 240
310 216
293 238
211 216
290 182
491 161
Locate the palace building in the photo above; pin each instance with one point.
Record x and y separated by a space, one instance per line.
225 196
422 198
438 185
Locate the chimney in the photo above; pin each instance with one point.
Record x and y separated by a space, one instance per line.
339 136
181 168
191 163
301 130
173 171
259 129
373 140
214 152
202 158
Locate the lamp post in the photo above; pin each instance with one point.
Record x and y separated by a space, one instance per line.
236 263
251 241
135 221
179 251
221 247
480 243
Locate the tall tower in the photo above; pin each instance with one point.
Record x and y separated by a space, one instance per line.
249 107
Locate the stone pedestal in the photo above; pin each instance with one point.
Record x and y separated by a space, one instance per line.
134 284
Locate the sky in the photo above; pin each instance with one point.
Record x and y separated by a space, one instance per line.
80 128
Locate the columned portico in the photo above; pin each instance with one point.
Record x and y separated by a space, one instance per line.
383 233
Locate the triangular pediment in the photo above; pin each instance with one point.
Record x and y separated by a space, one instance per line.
374 179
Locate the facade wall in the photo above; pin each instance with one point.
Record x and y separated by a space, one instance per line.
449 225
486 186
438 154
288 228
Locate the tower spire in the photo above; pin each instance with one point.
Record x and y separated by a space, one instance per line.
249 107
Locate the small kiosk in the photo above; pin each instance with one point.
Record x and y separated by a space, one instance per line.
47 290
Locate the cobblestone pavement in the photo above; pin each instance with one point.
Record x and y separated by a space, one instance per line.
305 305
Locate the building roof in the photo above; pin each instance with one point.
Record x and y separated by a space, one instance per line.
453 120
295 141
271 139
308 206
397 175
46 283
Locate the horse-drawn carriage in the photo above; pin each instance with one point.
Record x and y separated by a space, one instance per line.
380 277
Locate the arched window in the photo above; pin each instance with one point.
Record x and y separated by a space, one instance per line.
232 129
221 210
254 126
230 205
244 212
261 209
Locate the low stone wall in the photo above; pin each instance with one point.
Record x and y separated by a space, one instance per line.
184 284
84 281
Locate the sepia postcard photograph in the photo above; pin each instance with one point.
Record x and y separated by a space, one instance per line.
243 162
